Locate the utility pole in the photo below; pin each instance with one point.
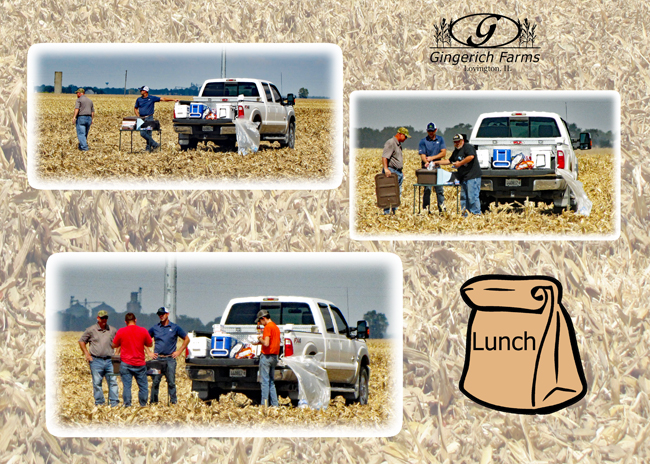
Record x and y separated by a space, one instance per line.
223 61
125 73
170 287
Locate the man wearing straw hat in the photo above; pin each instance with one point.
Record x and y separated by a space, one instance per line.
133 339
165 334
392 159
100 336
84 112
270 341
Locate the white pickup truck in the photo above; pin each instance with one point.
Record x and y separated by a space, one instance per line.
211 116
308 326
503 139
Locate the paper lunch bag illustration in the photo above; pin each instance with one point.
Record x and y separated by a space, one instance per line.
522 354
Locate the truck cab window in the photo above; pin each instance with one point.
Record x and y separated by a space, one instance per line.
324 310
242 313
248 89
296 313
267 91
275 310
494 128
276 94
230 89
341 325
213 89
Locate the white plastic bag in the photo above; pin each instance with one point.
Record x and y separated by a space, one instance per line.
313 384
248 137
442 176
583 202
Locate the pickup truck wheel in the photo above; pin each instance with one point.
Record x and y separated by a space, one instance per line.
363 388
290 140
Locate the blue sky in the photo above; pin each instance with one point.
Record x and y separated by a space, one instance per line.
355 282
178 65
589 110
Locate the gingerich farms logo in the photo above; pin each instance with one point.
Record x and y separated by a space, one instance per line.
484 42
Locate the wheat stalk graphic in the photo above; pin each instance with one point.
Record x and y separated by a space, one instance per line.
441 33
527 36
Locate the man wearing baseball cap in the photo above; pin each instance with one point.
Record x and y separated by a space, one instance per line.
165 334
392 159
144 108
270 341
469 174
84 112
432 148
100 336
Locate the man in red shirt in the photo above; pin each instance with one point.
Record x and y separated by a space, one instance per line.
270 341
132 340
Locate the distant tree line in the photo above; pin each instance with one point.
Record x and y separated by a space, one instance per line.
192 90
599 138
70 323
376 138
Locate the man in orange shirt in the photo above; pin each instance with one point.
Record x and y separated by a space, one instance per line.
270 341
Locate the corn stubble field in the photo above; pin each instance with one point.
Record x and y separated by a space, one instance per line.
596 172
59 159
76 406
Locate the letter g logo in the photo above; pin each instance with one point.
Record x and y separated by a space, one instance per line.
484 29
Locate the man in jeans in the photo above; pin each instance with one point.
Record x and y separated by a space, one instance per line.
132 340
432 148
100 336
270 341
392 159
84 112
165 334
144 108
469 174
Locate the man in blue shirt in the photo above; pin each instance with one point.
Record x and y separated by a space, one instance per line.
432 148
144 108
164 334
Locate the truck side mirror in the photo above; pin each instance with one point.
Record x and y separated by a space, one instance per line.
291 99
585 141
363 331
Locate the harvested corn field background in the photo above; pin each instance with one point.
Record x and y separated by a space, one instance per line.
605 283
597 168
76 407
58 159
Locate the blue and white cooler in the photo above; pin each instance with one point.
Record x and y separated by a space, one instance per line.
221 345
501 158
